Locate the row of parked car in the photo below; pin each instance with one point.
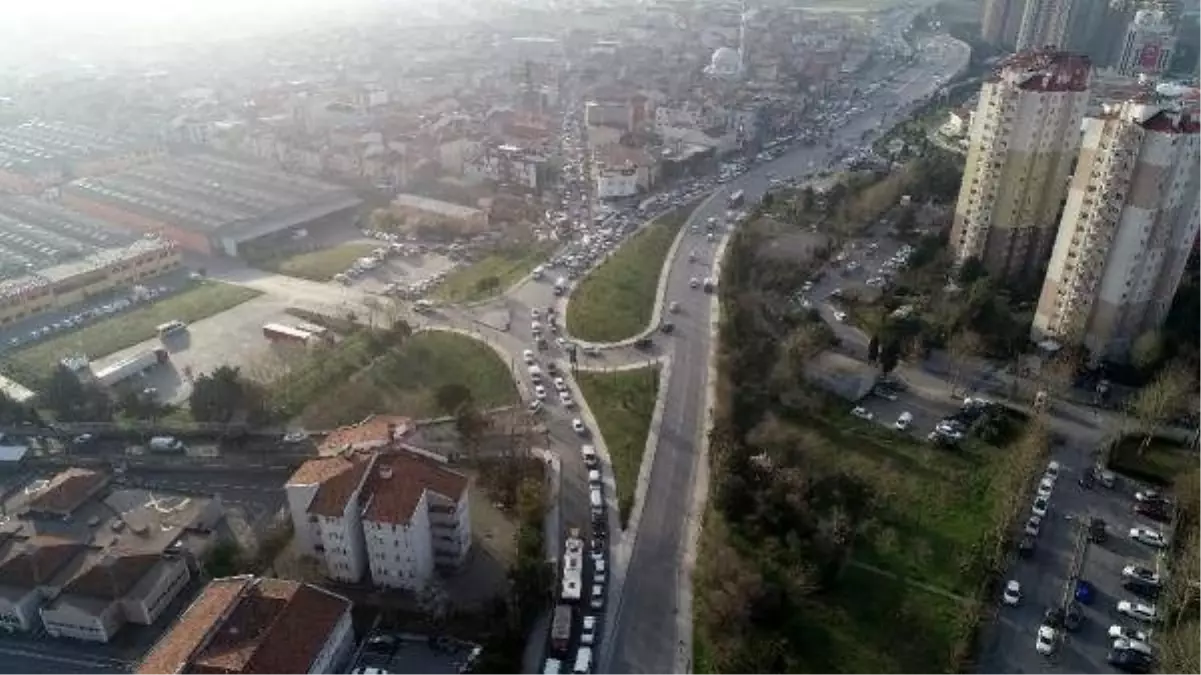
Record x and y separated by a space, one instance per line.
138 295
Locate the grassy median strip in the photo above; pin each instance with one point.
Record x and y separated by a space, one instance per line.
128 329
492 274
623 402
617 300
362 376
320 265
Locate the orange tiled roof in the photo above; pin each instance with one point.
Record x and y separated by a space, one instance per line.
393 499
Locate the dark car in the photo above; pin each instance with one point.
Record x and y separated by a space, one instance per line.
1097 532
1026 546
667 327
1053 617
1074 616
1157 511
1087 479
1142 589
1130 661
644 343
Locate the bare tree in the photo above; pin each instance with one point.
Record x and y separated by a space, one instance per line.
1165 397
961 349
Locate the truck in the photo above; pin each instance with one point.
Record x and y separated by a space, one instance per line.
573 564
560 628
165 445
134 365
560 285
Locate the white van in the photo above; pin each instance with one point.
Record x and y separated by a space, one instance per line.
583 661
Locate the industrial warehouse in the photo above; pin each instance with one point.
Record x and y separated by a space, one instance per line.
209 204
37 155
51 258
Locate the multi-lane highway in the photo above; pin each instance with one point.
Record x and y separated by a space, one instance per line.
645 633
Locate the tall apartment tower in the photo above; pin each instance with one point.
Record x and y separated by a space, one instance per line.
1001 21
1148 44
1023 141
1044 24
1129 224
1096 28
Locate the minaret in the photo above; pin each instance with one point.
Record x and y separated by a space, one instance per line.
742 39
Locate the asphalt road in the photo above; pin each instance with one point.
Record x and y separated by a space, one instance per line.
644 633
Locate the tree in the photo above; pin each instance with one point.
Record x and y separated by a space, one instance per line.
961 349
890 355
873 349
470 425
451 397
17 414
71 400
807 199
220 396
141 405
1147 351
970 271
1166 397
383 220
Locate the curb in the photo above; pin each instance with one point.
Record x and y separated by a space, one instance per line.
660 290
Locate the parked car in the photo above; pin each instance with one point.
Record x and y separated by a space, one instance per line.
1138 610
1149 537
1130 661
1013 593
1040 506
861 412
1141 573
1047 640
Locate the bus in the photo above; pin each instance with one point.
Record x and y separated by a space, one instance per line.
736 200
278 332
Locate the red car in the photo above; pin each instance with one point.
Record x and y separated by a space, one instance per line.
1155 511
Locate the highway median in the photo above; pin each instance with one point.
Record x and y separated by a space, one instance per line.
617 300
623 403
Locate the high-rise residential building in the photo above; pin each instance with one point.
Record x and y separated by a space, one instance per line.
1096 27
1044 24
1001 21
1148 44
1022 144
1130 221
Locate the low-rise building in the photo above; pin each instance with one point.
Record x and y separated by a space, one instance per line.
422 211
248 624
621 171
80 557
389 512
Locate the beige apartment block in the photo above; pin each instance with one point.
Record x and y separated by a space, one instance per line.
1130 221
1022 143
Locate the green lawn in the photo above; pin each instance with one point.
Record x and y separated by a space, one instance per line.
617 300
623 403
403 378
125 330
1162 463
320 265
491 275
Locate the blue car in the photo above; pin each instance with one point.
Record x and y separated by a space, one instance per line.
1085 592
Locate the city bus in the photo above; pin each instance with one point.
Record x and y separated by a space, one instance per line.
278 332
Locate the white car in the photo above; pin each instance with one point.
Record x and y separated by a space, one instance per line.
1141 573
540 392
528 356
594 477
1117 632
904 421
1138 610
535 327
861 412
598 596
840 316
1145 535
1046 641
566 400
694 282
1122 644
560 385
1040 506
1013 593
1052 471
1033 525
588 634
577 425
535 313
1045 487
535 406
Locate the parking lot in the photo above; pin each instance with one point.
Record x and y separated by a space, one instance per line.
1045 577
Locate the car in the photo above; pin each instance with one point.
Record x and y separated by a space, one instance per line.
598 596
644 343
588 632
1052 471
694 282
674 307
1149 496
535 406
1118 631
540 392
1097 530
594 477
1045 487
667 327
1033 525
560 384
535 313
1148 537
1047 640
566 400
1141 589
528 356
1040 506
1013 593
862 413
1130 661
1138 610
1026 546
1156 511
1073 617
904 421
577 425
840 316
1143 574
296 436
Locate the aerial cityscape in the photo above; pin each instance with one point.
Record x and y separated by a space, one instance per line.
600 336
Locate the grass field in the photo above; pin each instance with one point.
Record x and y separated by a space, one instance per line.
403 380
125 330
1162 463
320 265
490 275
617 300
623 403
